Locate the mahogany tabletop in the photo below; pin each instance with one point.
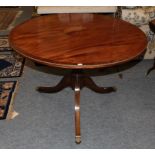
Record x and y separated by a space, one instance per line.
78 41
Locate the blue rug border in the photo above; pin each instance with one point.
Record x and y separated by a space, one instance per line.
9 99
22 68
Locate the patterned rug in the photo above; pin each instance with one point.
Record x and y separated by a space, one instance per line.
11 65
8 18
7 92
4 44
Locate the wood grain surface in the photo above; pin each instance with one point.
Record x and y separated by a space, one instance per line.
78 41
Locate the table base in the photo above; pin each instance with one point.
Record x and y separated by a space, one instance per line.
77 79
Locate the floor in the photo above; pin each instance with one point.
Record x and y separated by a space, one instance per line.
125 119
121 120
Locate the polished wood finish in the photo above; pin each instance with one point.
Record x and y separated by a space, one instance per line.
78 41
77 110
76 78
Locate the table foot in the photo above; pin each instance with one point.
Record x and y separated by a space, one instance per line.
89 83
77 139
151 69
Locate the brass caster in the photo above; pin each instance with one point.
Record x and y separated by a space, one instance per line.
78 139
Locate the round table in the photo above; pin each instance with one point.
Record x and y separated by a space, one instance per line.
78 42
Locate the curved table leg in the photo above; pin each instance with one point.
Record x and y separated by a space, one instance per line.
77 114
65 82
89 83
151 69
